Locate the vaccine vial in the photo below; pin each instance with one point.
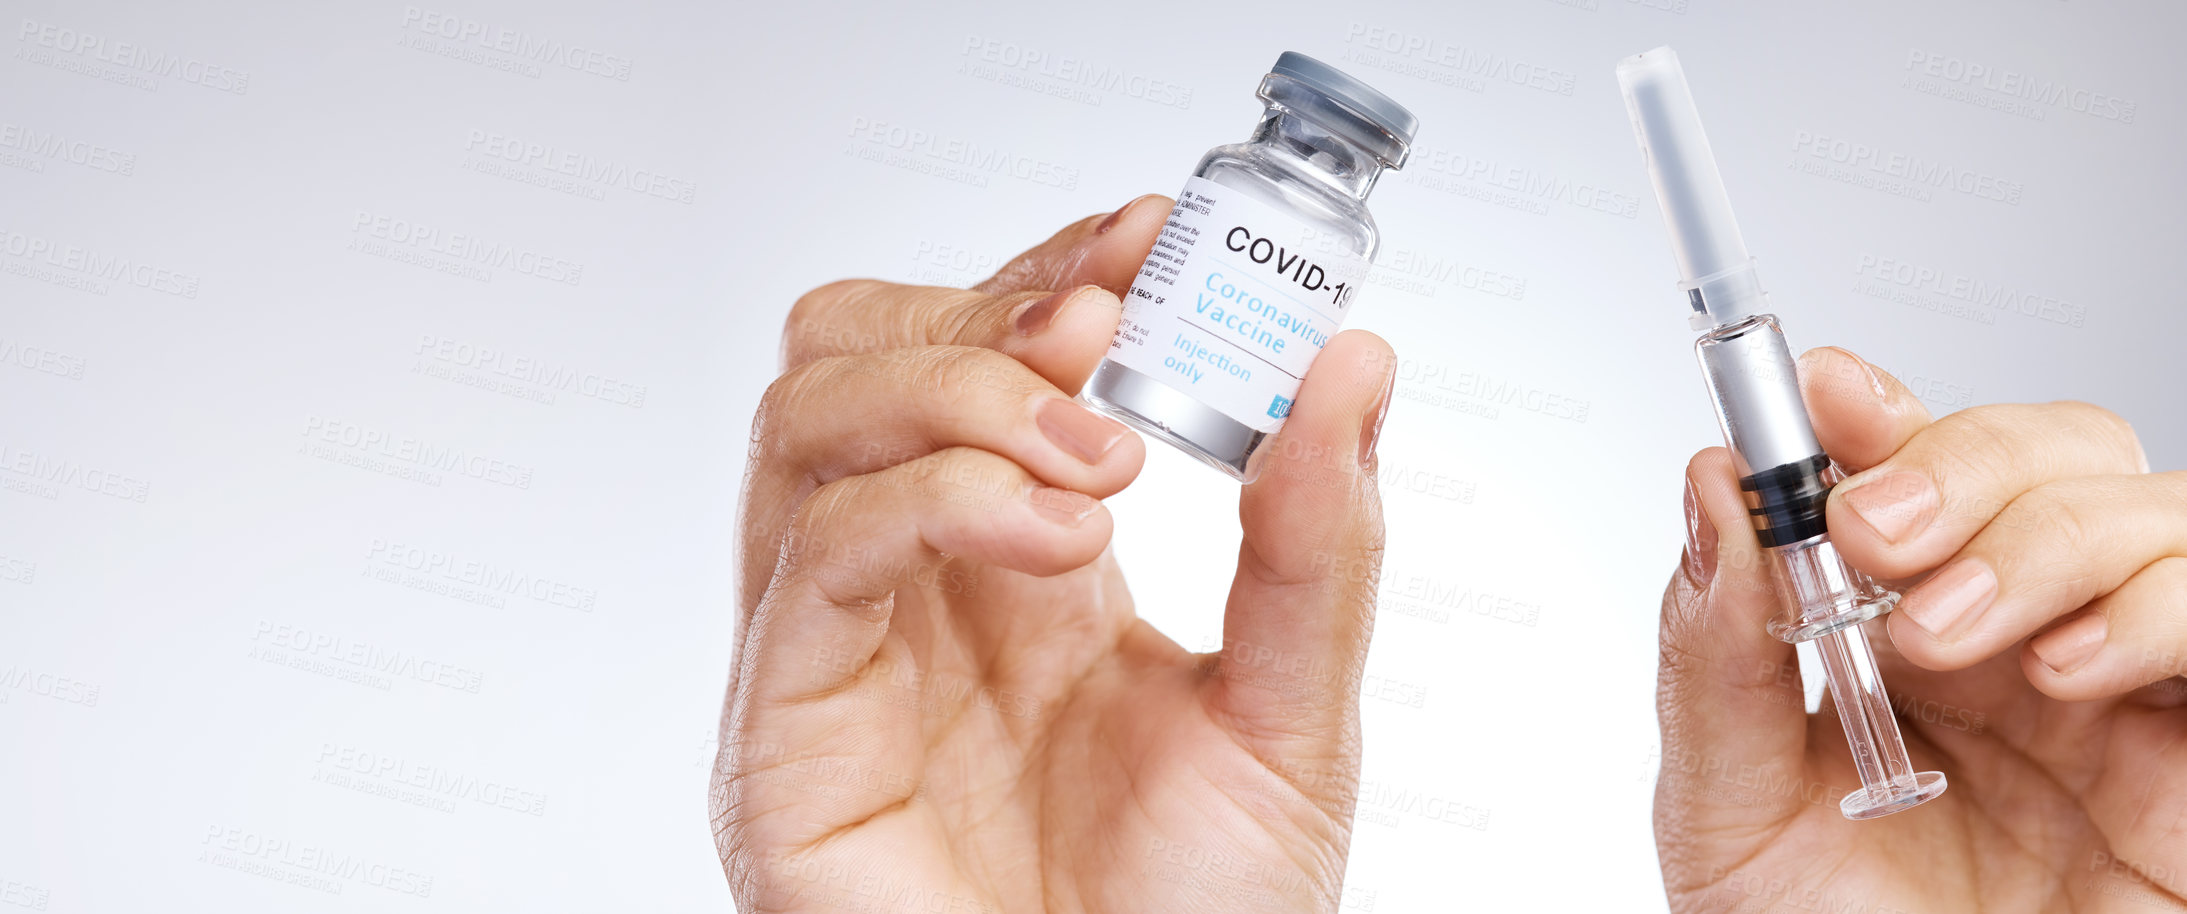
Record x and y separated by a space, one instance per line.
1255 270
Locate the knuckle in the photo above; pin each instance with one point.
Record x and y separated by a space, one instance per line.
828 514
840 545
781 404
957 477
953 465
2102 427
812 516
954 319
1985 431
1976 441
817 302
2172 488
2166 615
958 370
2060 513
2015 444
933 370
1989 415
2171 596
962 476
814 319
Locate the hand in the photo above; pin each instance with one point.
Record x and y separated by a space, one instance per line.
2066 753
942 699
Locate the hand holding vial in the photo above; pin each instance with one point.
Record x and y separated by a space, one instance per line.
1996 523
943 700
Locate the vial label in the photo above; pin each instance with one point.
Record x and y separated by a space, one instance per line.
1234 303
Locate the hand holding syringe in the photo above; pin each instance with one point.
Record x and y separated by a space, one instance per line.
1782 468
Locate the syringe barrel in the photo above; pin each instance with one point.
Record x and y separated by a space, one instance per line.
1785 477
1755 385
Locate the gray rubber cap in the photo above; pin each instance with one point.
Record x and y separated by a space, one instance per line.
1356 95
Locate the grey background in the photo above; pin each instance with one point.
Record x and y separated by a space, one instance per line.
165 744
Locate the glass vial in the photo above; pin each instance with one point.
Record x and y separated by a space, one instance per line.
1255 270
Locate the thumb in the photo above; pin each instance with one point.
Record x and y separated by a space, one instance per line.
1302 604
1104 251
1728 693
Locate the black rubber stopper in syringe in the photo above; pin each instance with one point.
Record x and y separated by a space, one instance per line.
1787 500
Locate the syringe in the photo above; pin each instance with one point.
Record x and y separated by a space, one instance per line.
1783 470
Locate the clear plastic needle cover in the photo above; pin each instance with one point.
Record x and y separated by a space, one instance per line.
1713 265
1785 475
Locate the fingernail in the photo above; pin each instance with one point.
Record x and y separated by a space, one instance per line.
1370 434
1949 602
1700 539
1038 315
1898 505
1078 431
1109 223
1063 506
2068 647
